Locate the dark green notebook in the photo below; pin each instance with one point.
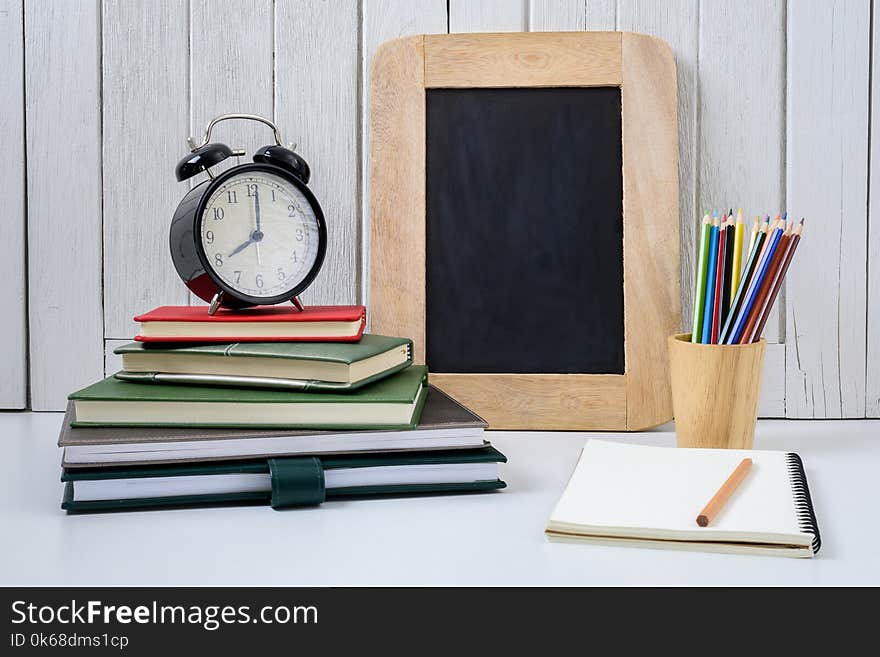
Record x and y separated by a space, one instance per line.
393 403
297 366
282 482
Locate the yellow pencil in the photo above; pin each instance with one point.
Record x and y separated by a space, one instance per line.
737 255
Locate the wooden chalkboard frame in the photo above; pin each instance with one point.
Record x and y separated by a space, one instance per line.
644 69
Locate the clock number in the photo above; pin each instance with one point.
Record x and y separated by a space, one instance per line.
259 280
252 190
231 196
237 276
293 257
273 195
218 259
209 237
218 214
299 234
292 210
280 273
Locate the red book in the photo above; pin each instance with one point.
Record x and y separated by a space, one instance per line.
719 285
257 324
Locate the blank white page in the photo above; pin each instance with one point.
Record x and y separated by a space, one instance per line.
633 491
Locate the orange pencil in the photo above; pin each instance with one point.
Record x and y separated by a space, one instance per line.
727 489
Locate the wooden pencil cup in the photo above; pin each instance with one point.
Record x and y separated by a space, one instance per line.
715 391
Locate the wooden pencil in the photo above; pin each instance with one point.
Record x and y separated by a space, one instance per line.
757 278
778 279
754 234
719 499
736 267
726 294
700 279
718 297
764 289
710 283
745 277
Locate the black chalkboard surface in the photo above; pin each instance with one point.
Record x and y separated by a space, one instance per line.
524 231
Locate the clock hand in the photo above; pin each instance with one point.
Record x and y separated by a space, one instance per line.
257 208
241 247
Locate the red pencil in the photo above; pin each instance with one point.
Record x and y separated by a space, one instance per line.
719 285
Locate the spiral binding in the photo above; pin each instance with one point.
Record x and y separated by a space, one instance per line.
802 500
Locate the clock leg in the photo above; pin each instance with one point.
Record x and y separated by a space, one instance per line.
215 303
296 302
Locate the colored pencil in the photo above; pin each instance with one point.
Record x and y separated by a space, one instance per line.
745 277
718 296
764 288
711 273
754 234
749 300
726 296
719 499
739 230
700 279
778 277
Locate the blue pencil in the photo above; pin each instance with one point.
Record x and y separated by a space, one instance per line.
754 286
710 282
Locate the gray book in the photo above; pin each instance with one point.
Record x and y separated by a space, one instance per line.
444 424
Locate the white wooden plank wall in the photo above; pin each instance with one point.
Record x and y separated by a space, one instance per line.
774 105
13 355
63 117
827 173
872 392
316 104
146 120
383 20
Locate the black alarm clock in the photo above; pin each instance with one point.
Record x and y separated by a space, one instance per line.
251 235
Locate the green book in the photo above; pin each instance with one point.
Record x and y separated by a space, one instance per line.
282 482
300 366
392 403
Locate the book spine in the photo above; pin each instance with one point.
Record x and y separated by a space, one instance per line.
802 501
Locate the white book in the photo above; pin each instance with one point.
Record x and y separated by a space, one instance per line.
650 496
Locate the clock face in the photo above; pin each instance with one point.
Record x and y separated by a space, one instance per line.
260 234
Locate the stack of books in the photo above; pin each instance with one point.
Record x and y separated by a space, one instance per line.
270 405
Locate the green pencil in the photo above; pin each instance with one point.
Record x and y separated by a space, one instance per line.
700 287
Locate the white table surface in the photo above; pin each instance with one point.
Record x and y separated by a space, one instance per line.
486 539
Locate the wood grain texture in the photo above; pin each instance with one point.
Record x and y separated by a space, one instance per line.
827 168
63 86
397 192
742 84
872 382
676 22
146 122
488 16
538 59
650 220
13 355
231 70
564 402
317 107
112 362
572 15
650 225
702 374
381 21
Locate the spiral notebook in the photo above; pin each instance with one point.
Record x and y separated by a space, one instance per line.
650 496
